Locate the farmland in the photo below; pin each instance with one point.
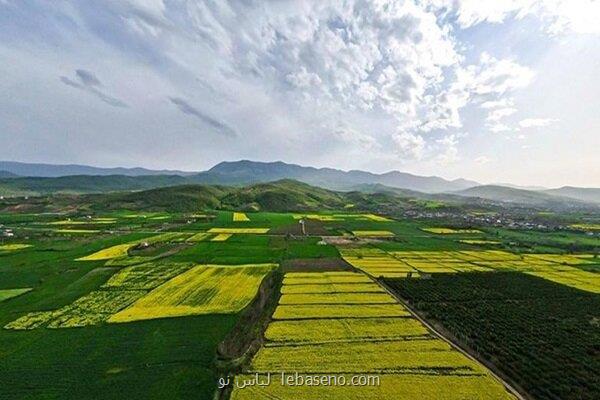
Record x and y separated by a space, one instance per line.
398 347
523 323
200 290
154 296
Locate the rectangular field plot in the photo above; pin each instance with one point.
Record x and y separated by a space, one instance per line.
198 237
221 237
385 356
334 330
313 278
336 298
376 218
333 288
339 311
240 217
388 386
239 230
377 262
319 217
200 290
373 233
554 267
145 276
578 279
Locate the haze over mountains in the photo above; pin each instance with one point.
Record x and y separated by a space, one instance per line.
57 170
36 179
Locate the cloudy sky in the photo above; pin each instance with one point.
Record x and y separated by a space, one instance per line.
502 91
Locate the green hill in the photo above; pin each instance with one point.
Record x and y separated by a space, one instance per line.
591 195
79 184
283 195
175 199
522 197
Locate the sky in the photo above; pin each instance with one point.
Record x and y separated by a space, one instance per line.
499 92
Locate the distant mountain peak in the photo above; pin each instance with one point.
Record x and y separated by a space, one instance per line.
247 171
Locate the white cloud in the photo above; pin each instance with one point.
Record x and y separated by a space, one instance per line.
496 128
537 122
409 145
449 154
500 113
502 103
481 160
558 16
282 75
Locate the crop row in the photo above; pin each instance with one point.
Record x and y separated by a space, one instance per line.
357 333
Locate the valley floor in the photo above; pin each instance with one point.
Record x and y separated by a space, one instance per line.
122 304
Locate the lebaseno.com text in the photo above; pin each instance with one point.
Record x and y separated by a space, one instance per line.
300 379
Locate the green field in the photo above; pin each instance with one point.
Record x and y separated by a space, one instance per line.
146 305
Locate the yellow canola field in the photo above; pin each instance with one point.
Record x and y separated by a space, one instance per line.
388 356
336 298
377 218
201 290
94 308
377 263
221 237
319 217
343 329
121 290
198 237
388 386
391 351
560 268
32 320
587 227
76 231
239 230
240 217
91 309
373 233
302 311
88 222
333 288
14 247
118 250
145 276
315 278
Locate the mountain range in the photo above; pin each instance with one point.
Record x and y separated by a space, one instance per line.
57 170
237 173
36 179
